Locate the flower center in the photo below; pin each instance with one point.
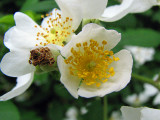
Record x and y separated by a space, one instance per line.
41 56
56 32
91 63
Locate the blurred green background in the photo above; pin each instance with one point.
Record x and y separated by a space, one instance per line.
47 99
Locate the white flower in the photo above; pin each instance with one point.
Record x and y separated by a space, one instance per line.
116 115
96 9
144 96
141 54
33 46
71 114
90 68
150 90
83 110
156 100
142 113
137 100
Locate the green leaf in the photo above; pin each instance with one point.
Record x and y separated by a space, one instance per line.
43 6
61 91
141 37
33 15
8 111
56 111
30 115
28 3
8 19
95 111
157 55
126 22
41 78
156 16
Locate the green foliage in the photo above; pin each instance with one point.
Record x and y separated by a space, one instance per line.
39 6
30 115
141 37
156 16
95 111
47 98
8 19
6 22
62 92
8 111
56 111
33 15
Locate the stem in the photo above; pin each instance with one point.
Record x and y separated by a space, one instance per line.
146 80
105 112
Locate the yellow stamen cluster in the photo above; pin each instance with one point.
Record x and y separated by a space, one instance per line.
91 63
56 32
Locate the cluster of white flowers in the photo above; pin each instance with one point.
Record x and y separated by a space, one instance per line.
86 62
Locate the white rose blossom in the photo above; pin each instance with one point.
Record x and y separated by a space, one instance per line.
89 68
142 113
32 45
96 9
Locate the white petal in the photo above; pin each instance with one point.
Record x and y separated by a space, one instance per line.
150 90
15 39
123 69
150 114
130 99
25 23
139 6
142 113
129 113
156 100
96 32
92 9
141 54
16 64
71 9
23 35
116 115
116 12
70 82
44 23
23 82
143 98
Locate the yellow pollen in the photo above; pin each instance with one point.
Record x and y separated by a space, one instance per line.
57 32
42 16
91 63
